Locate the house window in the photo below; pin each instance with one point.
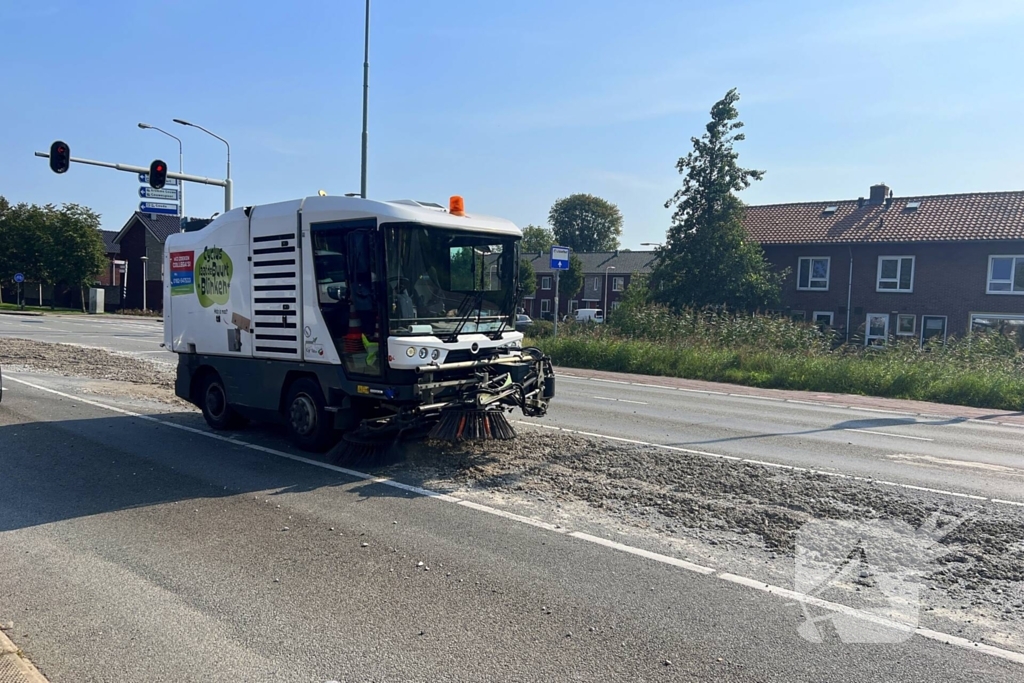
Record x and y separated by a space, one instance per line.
877 332
895 274
615 305
545 282
933 327
618 284
574 306
823 318
545 306
798 316
595 283
906 324
1002 275
999 322
812 273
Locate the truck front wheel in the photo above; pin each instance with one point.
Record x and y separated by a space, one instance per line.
308 422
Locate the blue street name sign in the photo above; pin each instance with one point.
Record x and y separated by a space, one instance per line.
153 193
156 207
559 258
144 178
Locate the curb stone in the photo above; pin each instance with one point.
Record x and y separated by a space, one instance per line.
32 314
14 663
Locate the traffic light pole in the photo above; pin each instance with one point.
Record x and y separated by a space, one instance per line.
128 168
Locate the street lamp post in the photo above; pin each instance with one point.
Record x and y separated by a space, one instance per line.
650 244
181 165
366 97
145 274
606 290
228 189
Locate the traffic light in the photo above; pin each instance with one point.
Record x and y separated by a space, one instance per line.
157 174
60 157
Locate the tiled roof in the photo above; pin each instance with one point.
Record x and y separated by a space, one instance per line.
938 218
597 261
160 225
109 245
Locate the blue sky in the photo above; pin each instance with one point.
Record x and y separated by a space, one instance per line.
512 104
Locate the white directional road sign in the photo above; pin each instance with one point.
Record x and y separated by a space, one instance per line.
153 193
144 178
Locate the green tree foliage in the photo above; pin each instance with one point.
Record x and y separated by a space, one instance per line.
570 282
536 240
707 259
586 223
59 246
527 277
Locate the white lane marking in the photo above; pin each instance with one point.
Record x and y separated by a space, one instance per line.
759 398
765 463
620 400
874 618
609 381
657 557
640 552
806 403
895 436
702 391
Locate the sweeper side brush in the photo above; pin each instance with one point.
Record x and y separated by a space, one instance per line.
473 425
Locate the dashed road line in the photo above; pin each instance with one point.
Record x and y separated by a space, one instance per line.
895 436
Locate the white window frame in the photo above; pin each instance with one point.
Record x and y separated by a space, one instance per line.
1013 271
945 327
615 305
830 314
997 316
545 306
899 317
810 271
793 316
574 306
545 282
867 329
618 283
899 272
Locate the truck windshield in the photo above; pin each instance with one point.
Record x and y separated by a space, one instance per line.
442 282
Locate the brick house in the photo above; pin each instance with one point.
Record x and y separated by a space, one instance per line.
885 266
606 276
144 235
110 275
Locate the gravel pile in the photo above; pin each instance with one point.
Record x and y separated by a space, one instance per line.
80 361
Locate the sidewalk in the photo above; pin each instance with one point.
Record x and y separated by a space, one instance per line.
874 403
14 667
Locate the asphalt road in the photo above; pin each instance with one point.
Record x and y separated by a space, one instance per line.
951 455
130 551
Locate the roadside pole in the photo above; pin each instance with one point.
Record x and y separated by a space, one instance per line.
555 333
559 262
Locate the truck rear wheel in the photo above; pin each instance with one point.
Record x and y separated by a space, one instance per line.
308 422
214 401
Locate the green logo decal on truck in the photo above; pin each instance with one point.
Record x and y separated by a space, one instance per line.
213 277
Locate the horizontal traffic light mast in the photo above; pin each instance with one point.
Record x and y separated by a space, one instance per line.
60 159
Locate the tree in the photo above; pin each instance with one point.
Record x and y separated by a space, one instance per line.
707 259
586 223
76 255
527 277
570 282
536 240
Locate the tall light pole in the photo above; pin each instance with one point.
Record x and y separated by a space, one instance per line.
181 165
228 189
366 97
606 290
145 275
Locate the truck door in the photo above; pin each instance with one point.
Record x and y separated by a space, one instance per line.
276 274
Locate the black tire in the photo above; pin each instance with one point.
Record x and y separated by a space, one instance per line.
309 424
213 399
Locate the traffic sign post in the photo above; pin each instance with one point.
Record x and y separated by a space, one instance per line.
19 278
559 262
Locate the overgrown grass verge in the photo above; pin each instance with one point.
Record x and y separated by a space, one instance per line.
985 371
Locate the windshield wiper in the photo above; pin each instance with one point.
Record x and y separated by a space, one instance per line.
478 298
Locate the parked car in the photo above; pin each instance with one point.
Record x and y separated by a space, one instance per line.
586 315
522 322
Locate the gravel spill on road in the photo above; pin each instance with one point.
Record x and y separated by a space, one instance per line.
81 361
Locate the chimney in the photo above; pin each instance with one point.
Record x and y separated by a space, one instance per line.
878 193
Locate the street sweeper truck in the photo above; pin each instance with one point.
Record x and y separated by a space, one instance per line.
352 318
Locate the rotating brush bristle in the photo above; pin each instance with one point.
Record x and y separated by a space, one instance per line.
472 425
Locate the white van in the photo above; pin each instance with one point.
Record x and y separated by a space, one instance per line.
588 315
